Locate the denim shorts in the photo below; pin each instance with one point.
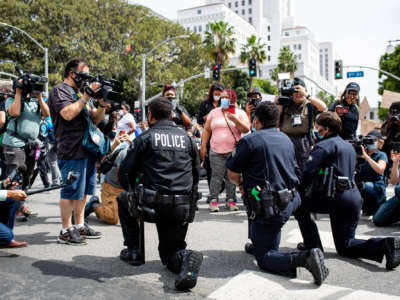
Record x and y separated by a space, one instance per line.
85 183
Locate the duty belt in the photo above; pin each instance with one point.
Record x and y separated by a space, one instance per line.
151 197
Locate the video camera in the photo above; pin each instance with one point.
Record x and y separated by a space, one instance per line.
107 87
31 83
361 141
286 91
254 101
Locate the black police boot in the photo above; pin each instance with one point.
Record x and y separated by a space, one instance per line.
302 247
313 261
392 252
187 277
249 248
131 256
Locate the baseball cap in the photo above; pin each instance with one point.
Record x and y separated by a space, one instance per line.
254 91
353 86
375 133
299 81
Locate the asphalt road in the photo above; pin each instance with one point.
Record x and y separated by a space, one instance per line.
47 270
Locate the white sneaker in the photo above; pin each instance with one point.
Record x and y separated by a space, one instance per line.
214 206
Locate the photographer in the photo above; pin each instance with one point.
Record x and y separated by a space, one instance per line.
179 114
297 119
347 110
68 111
370 171
5 90
25 111
391 128
254 98
9 202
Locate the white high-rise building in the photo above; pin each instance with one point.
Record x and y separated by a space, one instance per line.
272 21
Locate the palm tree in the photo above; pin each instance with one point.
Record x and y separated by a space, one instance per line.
287 64
219 42
253 49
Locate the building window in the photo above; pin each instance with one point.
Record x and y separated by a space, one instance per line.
299 56
250 20
294 46
286 33
236 4
207 27
299 47
200 28
199 12
243 12
249 2
230 5
269 48
243 3
236 11
371 115
195 29
269 28
269 58
249 10
269 38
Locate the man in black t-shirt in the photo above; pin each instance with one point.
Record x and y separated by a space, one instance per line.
68 108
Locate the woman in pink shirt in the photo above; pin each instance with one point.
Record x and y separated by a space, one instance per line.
225 125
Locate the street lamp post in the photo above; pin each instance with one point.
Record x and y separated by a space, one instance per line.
390 48
144 56
46 58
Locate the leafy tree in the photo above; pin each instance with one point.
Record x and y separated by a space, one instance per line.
287 64
253 49
219 42
391 64
382 112
111 34
265 86
327 98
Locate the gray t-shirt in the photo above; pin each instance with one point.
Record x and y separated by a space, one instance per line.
111 176
28 123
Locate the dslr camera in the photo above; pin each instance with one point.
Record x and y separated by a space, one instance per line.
361 141
107 87
286 91
31 83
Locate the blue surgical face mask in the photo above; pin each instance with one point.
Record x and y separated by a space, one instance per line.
224 102
373 146
319 137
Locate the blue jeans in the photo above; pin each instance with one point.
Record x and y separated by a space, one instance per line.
373 194
389 212
8 209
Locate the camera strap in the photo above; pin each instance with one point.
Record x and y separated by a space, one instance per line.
227 123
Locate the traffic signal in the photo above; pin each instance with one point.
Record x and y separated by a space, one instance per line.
252 67
138 115
338 69
216 69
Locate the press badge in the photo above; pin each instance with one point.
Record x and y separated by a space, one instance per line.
296 120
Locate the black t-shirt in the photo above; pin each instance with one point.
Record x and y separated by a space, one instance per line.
204 109
69 134
177 117
349 120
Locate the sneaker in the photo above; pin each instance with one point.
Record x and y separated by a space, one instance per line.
231 205
91 205
89 233
132 256
187 277
71 237
392 252
213 207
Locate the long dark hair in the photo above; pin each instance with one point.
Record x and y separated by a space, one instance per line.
214 87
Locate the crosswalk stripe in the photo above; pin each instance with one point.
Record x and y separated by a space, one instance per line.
258 285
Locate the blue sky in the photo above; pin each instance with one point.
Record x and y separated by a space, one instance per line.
359 29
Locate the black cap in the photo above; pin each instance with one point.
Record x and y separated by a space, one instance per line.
299 81
353 86
254 91
376 134
218 86
395 106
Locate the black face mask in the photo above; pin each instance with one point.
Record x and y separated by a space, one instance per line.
112 135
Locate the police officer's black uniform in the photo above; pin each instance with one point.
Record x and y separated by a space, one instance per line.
168 160
268 154
343 208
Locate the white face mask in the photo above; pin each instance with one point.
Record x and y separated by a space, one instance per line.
216 98
121 113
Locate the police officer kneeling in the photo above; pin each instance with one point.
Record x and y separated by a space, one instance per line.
266 159
329 187
169 163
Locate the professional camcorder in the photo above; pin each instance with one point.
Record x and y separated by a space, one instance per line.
362 141
31 83
107 87
286 92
